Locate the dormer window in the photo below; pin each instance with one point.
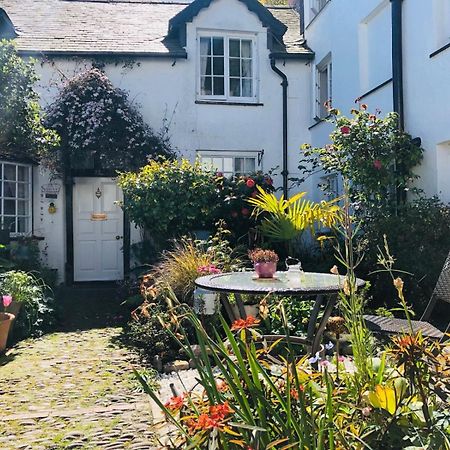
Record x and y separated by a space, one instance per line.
227 68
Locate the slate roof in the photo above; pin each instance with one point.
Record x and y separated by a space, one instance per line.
113 27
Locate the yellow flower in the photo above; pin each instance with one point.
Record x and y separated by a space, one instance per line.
346 288
334 270
398 283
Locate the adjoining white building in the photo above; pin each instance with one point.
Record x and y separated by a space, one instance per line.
395 56
243 86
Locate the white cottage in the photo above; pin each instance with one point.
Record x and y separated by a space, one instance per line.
231 75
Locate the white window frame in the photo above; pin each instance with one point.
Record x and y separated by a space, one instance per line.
319 108
331 181
255 76
257 155
29 198
316 6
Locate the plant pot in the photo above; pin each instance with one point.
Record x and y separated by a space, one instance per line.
6 320
265 269
14 308
206 303
250 310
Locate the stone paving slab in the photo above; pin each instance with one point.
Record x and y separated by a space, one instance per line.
73 391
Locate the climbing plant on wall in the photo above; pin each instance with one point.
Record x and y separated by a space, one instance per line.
22 133
100 127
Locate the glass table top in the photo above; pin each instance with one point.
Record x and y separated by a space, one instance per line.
289 282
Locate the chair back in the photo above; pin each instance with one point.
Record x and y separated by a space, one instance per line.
441 290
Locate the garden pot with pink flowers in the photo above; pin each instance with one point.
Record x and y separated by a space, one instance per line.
264 262
6 320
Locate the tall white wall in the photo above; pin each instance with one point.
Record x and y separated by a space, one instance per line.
166 90
358 35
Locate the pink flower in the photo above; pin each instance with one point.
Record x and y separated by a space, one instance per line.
377 164
250 183
7 300
345 130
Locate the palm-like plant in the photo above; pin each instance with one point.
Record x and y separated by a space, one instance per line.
286 219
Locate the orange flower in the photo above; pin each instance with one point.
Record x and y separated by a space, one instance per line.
241 324
175 403
220 412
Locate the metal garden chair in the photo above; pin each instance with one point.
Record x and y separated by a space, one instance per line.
388 325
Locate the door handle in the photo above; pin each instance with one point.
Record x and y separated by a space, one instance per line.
119 237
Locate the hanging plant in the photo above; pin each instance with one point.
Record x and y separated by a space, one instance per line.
99 127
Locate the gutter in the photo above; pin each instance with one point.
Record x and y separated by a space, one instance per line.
284 84
397 60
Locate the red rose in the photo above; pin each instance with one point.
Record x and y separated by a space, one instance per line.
345 130
377 164
245 211
364 107
250 183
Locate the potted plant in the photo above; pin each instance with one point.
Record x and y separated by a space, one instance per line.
6 320
264 262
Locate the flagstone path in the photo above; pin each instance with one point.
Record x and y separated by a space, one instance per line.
73 390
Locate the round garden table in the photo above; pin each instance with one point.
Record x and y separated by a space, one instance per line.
290 283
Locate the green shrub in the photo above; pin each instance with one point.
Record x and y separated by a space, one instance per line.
420 240
37 314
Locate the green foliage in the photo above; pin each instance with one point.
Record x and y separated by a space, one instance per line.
100 127
418 237
170 198
371 153
285 220
37 312
22 134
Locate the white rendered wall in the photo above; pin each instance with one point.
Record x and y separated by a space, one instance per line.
358 35
166 89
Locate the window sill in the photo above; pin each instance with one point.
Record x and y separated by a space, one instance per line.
319 121
215 102
440 50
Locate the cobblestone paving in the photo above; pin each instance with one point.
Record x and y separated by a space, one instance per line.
72 390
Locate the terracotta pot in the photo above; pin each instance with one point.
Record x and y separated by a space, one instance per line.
6 319
265 269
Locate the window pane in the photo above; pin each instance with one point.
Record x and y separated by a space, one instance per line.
235 87
218 46
247 88
9 172
228 165
205 66
206 85
9 207
9 189
205 46
22 208
239 166
22 190
218 164
22 224
250 165
218 66
235 67
24 173
219 85
246 67
235 47
246 49
9 223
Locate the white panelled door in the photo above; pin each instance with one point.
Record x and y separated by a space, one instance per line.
97 230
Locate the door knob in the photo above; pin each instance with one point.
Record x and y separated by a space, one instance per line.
119 237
